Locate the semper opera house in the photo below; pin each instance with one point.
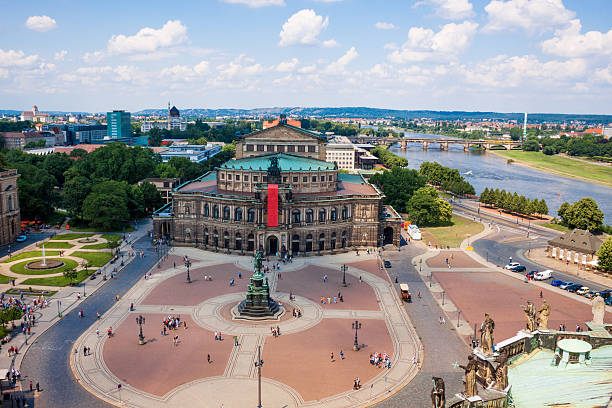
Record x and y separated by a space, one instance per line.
278 195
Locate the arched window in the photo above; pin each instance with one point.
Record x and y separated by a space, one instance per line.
295 216
216 211
251 215
226 213
344 213
309 215
187 208
10 203
238 244
308 243
333 241
238 214
295 243
226 240
322 215
321 242
251 242
334 214
206 210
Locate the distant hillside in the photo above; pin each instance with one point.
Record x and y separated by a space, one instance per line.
374 113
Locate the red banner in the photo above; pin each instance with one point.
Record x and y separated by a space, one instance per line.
272 205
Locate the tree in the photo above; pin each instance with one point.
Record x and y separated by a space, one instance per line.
76 191
398 184
604 255
57 164
542 207
531 145
583 214
426 208
151 196
70 275
106 206
516 133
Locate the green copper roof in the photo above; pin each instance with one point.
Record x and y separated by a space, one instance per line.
286 162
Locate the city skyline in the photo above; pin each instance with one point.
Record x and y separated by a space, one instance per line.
506 56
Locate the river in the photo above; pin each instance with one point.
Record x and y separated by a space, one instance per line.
489 170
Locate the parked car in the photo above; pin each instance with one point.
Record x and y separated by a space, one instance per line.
519 268
532 274
387 264
573 288
511 265
21 238
582 291
565 285
590 294
608 301
557 282
605 293
543 275
92 277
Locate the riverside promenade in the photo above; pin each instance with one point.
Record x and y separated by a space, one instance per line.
310 364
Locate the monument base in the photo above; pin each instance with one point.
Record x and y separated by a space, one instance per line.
266 311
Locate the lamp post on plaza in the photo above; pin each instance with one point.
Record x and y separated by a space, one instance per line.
343 268
188 264
443 298
258 364
59 305
356 326
140 320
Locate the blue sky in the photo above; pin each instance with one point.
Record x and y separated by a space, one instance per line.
487 55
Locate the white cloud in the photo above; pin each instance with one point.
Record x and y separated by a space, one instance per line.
604 74
202 68
451 9
381 25
508 72
570 42
257 3
331 43
4 73
240 67
287 66
40 23
12 58
309 69
60 55
187 73
424 44
148 39
303 28
340 64
526 14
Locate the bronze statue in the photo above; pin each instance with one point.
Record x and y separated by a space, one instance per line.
258 260
273 169
530 316
438 393
501 372
471 388
543 315
486 335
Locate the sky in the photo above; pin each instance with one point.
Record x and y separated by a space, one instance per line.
476 55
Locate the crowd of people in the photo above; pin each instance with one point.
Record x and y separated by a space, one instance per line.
380 360
172 323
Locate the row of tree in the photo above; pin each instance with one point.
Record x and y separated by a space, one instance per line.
513 202
98 188
446 178
389 159
583 214
201 132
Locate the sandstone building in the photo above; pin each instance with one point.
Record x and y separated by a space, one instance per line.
10 216
281 196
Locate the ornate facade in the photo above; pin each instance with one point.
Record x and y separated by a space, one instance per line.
281 196
10 215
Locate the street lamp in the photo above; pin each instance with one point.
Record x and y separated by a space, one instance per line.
258 364
458 316
59 305
356 326
343 268
188 264
84 282
443 298
140 320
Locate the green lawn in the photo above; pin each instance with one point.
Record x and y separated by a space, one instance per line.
4 279
30 254
561 165
95 259
103 245
57 280
557 227
451 235
128 228
20 268
111 237
71 235
57 245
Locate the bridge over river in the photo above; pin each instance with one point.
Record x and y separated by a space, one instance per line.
441 142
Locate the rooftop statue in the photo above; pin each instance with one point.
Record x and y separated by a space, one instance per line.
543 315
438 393
598 307
530 316
486 335
471 388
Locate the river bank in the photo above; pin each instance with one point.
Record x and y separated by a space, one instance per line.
559 165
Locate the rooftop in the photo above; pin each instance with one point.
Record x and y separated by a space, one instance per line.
286 162
577 240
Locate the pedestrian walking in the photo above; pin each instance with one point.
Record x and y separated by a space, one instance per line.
541 295
208 358
37 387
341 355
235 340
31 386
332 357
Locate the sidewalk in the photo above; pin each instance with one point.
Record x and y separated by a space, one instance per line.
64 301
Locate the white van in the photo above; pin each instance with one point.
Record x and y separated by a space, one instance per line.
414 232
547 274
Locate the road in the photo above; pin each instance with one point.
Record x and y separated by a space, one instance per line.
442 346
500 253
47 360
33 237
